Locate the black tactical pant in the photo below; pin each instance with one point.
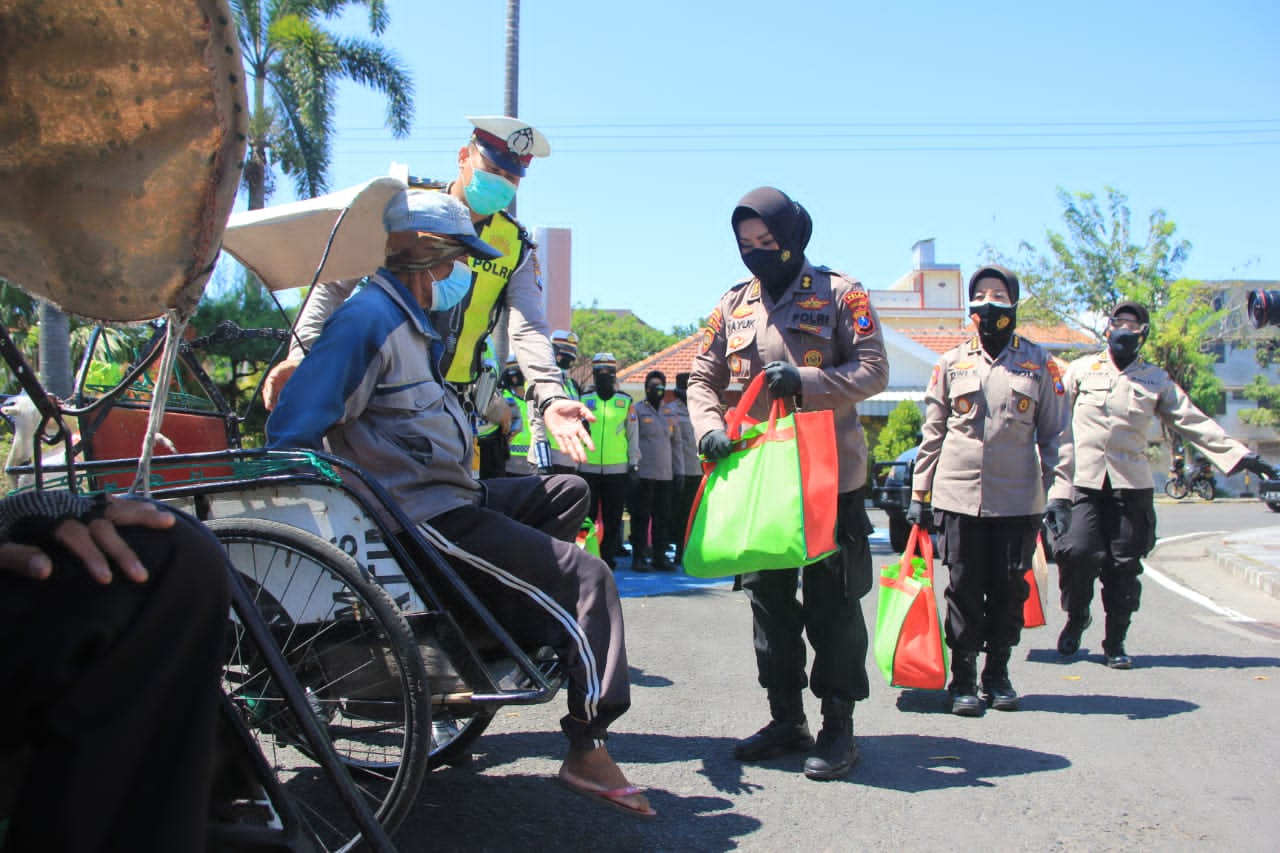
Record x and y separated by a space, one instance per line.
1111 531
545 590
684 489
650 501
830 615
113 689
608 496
987 559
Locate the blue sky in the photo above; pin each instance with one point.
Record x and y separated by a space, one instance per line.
890 122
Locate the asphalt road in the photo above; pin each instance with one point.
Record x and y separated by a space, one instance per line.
1178 754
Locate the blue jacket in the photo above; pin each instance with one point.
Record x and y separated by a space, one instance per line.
367 393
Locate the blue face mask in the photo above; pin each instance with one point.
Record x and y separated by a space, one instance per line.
488 193
448 292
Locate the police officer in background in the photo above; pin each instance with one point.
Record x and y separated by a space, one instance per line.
616 454
1101 508
994 412
504 296
519 434
687 467
650 495
565 345
814 335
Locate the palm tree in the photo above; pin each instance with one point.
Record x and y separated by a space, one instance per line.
294 64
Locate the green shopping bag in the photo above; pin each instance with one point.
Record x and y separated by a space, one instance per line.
588 539
771 503
908 643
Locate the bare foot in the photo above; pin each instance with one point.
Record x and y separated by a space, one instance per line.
596 769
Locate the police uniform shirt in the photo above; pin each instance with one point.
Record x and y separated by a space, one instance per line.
685 460
1112 412
658 442
985 419
824 324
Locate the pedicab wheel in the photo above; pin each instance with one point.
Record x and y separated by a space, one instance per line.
1176 489
1204 490
453 736
355 656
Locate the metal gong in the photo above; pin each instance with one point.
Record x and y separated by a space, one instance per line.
122 137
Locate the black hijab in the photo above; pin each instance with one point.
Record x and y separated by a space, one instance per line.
790 225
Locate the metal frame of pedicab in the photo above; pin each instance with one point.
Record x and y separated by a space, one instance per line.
313 493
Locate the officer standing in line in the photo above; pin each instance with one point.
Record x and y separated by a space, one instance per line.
520 433
565 345
814 335
650 496
503 298
687 467
1101 508
994 413
616 453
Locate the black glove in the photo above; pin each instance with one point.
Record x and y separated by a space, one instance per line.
921 514
715 444
1253 463
1057 517
783 379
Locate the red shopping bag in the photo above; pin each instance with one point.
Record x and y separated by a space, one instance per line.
908 643
1033 611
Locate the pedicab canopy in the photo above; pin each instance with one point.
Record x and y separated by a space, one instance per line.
327 238
122 137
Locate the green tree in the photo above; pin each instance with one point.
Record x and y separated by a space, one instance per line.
621 333
294 65
1267 396
1094 263
901 432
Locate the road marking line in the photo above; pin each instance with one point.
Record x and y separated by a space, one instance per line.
1190 594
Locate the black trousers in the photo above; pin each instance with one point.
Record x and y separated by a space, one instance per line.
650 502
608 496
493 454
987 559
830 615
545 589
1111 531
684 489
113 689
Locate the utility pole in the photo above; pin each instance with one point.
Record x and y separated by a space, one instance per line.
511 95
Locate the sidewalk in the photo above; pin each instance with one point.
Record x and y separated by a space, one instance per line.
1252 556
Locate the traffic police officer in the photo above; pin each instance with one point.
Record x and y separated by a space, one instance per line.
813 333
686 466
505 297
650 497
565 345
1101 509
616 453
520 432
994 411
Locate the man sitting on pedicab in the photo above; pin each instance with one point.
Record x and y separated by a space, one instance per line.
369 392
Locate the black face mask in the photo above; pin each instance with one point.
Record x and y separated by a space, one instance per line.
564 361
1124 345
605 384
654 394
769 266
513 379
995 322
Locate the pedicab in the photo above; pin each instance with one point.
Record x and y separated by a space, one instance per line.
121 161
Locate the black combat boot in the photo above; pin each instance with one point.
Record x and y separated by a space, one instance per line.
1113 642
996 687
964 685
787 732
1069 639
640 561
836 751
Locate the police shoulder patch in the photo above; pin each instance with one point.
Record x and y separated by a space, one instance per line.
859 306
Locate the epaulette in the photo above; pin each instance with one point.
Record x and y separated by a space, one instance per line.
738 284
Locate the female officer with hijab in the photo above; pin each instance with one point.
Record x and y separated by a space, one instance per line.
992 403
812 332
1101 510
